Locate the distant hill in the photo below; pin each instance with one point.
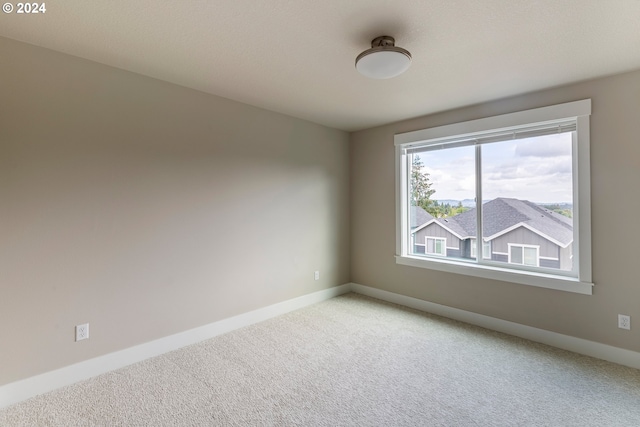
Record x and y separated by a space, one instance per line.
556 205
470 203
467 203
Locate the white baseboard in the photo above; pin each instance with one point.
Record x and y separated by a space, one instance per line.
566 342
23 389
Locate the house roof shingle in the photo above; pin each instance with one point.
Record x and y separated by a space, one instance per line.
419 216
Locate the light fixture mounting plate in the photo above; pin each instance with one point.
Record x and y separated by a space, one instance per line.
383 41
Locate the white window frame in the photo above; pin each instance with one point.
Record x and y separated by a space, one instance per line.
473 251
522 246
443 246
579 280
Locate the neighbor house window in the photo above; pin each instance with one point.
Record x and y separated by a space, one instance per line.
524 255
436 246
518 183
486 250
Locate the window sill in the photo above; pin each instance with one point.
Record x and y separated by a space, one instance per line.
561 283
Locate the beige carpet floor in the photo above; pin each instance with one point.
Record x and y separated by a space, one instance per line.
350 361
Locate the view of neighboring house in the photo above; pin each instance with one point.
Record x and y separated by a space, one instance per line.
515 231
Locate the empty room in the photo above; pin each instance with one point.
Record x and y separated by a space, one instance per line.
336 213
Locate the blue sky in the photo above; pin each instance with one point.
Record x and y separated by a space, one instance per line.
535 169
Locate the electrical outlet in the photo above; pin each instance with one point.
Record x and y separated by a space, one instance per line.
624 321
316 275
82 332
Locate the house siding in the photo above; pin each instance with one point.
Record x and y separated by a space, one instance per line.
566 262
455 253
435 230
500 257
465 248
525 236
550 263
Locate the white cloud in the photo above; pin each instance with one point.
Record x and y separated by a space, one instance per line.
536 169
454 177
547 146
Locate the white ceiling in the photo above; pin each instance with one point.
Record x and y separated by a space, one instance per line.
297 56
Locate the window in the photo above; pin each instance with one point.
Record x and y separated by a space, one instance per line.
524 255
486 250
519 183
436 246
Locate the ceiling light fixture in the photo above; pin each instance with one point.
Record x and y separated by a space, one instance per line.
384 60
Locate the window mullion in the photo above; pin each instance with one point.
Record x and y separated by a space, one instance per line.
479 240
576 206
407 201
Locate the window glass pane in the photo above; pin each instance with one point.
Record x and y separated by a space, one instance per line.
436 245
531 256
527 199
486 250
516 254
441 202
430 246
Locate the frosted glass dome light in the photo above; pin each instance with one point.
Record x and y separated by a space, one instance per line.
384 60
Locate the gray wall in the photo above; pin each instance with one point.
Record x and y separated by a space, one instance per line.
615 172
148 209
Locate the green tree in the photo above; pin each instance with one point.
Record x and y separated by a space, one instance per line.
421 190
458 209
562 210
